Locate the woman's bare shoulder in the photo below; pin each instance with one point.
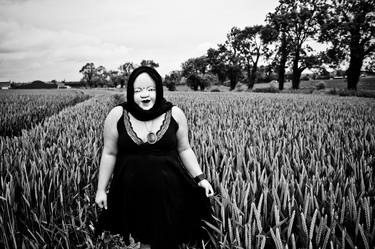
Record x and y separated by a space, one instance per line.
114 115
178 114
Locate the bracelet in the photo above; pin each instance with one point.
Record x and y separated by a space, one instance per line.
199 178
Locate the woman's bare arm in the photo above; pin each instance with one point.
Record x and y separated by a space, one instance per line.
183 146
109 153
186 154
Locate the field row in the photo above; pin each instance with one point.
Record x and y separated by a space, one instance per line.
23 111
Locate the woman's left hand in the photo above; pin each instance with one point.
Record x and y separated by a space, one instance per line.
207 187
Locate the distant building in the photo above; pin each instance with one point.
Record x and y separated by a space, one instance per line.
61 85
74 84
5 85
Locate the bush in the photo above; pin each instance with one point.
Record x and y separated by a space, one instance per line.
267 90
333 91
321 85
201 81
171 86
215 90
170 81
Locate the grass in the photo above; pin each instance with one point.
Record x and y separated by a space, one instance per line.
289 170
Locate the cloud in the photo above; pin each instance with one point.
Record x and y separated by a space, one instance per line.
28 47
40 36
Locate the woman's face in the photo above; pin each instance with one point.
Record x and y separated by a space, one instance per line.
144 91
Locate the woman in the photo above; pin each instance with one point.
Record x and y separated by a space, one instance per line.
158 193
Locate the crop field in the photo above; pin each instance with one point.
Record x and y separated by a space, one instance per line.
289 171
21 109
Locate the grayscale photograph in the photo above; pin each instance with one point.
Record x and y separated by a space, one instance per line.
174 124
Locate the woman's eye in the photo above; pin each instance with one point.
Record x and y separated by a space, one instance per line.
137 90
151 89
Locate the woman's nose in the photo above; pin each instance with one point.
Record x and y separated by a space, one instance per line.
144 93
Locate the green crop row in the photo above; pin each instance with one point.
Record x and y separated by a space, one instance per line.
23 111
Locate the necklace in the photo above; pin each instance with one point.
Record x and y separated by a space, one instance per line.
151 136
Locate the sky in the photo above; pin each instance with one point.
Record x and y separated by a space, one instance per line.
52 39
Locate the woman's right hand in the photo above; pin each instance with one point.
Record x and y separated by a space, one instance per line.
101 199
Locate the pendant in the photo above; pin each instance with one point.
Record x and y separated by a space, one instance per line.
151 138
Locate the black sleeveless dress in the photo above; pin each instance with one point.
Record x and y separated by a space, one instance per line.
151 195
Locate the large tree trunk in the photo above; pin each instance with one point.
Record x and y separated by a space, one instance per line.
221 78
233 82
253 76
233 75
281 68
296 71
248 70
354 70
281 79
89 80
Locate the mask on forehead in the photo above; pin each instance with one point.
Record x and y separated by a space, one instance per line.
160 106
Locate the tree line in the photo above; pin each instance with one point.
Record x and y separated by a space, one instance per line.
101 77
346 28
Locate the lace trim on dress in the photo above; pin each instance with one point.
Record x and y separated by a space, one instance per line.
159 134
130 130
164 125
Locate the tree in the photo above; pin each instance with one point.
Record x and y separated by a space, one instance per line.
216 64
298 21
280 37
149 63
250 44
93 76
234 74
171 80
266 73
349 26
195 65
201 81
169 83
125 70
114 78
194 69
306 61
101 76
88 72
229 55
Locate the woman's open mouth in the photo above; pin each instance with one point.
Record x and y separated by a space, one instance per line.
146 101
